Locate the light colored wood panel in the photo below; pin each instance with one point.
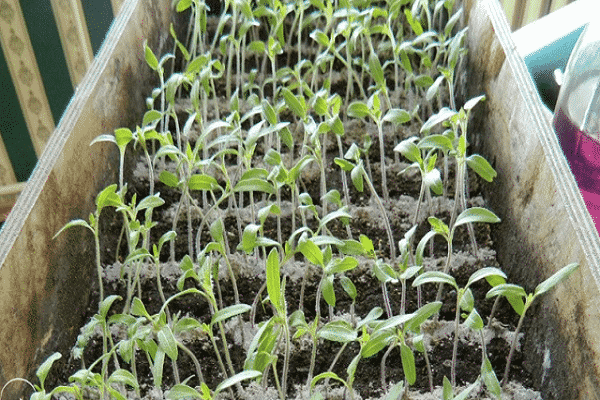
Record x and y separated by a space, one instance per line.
25 74
533 11
509 9
7 175
8 183
545 223
74 37
116 6
556 4
8 197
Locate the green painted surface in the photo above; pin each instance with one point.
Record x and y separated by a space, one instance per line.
45 40
12 125
98 17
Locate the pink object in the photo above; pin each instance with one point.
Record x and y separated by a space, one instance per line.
577 117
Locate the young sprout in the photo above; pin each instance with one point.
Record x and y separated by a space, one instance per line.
464 299
373 110
515 294
107 197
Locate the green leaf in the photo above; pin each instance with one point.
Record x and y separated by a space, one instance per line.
433 181
434 88
167 342
474 320
489 378
375 313
424 81
273 157
555 279
202 182
452 21
434 277
376 70
384 272
394 321
397 116
421 315
410 272
254 185
358 109
181 392
408 363
395 392
257 46
441 142
294 103
405 62
485 273
409 149
124 377
348 287
473 102
229 312
153 201
467 301
106 304
327 290
44 369
157 367
414 24
482 167
150 117
345 165
357 177
108 197
475 214
320 37
367 245
326 375
351 247
103 138
249 238
311 252
341 213
138 308
186 324
506 289
377 342
183 5
168 150
439 226
465 393
75 222
150 57
443 115
448 390
338 331
338 266
273 278
255 173
237 378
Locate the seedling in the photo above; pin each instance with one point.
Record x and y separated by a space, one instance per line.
514 292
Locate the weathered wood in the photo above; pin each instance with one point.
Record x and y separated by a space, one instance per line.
74 37
44 283
545 222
